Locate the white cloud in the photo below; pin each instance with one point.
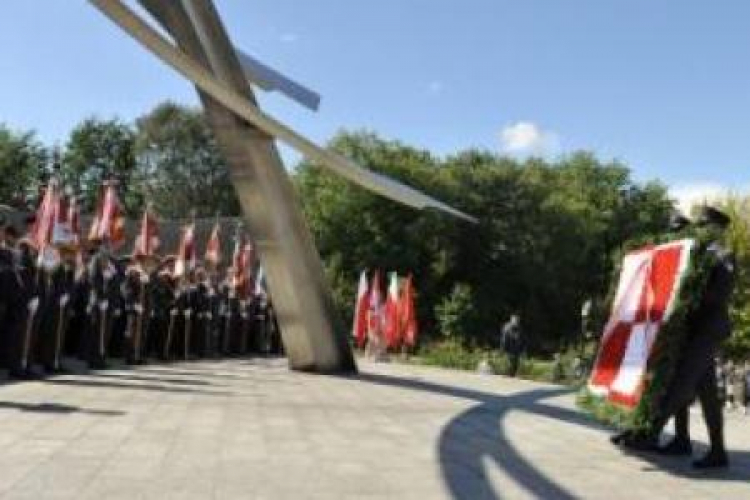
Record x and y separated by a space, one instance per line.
289 37
527 138
688 195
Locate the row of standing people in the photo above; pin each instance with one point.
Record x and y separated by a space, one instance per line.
101 307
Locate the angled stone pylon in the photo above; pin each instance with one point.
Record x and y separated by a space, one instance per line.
313 337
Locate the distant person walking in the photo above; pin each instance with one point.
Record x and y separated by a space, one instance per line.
512 343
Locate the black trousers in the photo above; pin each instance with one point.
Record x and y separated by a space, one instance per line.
695 376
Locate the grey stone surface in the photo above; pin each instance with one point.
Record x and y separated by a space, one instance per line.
253 429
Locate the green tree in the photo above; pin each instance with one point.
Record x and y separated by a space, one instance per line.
23 161
179 166
98 150
456 314
543 245
738 237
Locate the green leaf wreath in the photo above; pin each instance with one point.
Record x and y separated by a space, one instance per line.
669 343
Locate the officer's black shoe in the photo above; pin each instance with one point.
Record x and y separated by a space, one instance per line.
712 459
98 364
677 447
19 374
618 438
641 442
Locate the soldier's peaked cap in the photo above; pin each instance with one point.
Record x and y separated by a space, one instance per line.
678 222
713 216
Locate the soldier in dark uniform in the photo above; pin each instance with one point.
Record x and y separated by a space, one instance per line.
12 303
162 296
182 321
118 317
262 332
137 308
76 340
55 293
204 314
103 291
225 318
512 343
26 307
274 332
709 326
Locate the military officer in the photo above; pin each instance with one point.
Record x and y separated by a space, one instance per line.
709 326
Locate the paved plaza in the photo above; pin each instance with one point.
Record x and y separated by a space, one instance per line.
253 429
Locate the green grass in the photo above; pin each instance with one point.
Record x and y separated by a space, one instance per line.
451 354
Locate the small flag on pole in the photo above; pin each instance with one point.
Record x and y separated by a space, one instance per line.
186 258
375 310
409 314
108 224
392 320
147 240
213 247
359 328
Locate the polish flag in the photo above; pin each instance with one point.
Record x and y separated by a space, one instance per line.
392 317
41 231
238 262
94 228
359 328
409 327
649 284
375 309
213 248
109 223
147 240
62 227
186 257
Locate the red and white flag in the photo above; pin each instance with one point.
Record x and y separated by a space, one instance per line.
74 215
238 263
147 240
41 231
63 234
186 256
392 316
375 309
94 228
359 328
108 224
409 327
213 247
649 284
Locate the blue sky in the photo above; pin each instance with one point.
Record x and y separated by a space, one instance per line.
663 85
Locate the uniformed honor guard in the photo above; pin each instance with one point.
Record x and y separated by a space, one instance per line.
709 326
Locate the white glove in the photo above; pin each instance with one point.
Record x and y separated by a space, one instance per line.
33 304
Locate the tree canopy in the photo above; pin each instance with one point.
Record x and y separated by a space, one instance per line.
23 162
543 244
547 233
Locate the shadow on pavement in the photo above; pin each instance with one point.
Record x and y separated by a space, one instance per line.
140 387
739 465
151 378
462 456
56 408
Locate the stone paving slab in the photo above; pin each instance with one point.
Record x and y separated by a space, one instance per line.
252 429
